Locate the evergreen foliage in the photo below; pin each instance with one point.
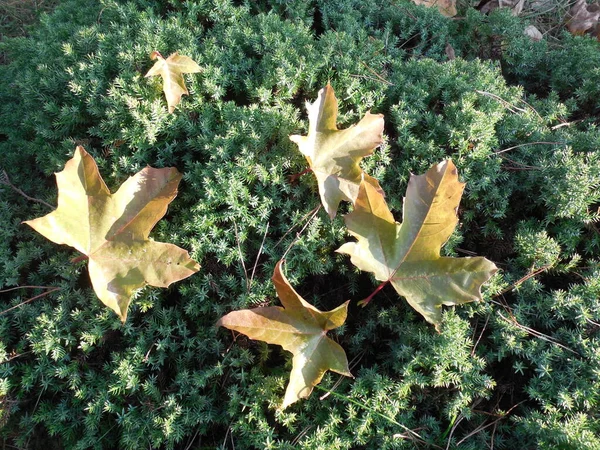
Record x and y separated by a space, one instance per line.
517 117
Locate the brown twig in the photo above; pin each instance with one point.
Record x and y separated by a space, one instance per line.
512 108
367 77
50 290
191 441
15 356
481 428
299 233
79 258
6 181
351 366
524 145
301 435
237 238
258 255
521 280
294 226
379 77
566 124
487 319
509 105
512 319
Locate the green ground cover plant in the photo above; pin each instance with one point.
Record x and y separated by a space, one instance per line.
517 117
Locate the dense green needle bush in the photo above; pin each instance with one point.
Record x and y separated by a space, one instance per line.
518 118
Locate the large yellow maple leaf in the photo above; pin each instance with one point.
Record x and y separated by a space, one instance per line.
112 230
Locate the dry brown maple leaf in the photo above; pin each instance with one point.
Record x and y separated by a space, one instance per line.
446 7
299 328
171 70
112 229
516 6
583 18
334 155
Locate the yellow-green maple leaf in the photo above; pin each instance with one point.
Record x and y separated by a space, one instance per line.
408 254
171 70
112 230
334 155
299 328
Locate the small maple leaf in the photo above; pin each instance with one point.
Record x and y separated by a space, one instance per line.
171 70
408 255
334 155
112 229
299 328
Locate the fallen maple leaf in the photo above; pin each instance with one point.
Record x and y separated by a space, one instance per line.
583 18
171 70
112 229
299 328
408 255
446 7
334 155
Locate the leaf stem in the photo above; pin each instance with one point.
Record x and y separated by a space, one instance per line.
294 178
366 301
79 258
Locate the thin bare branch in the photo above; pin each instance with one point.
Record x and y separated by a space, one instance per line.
487 319
299 233
454 426
15 357
237 238
294 226
512 108
525 145
258 255
50 290
301 435
521 280
481 428
378 77
565 124
536 333
412 435
5 180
